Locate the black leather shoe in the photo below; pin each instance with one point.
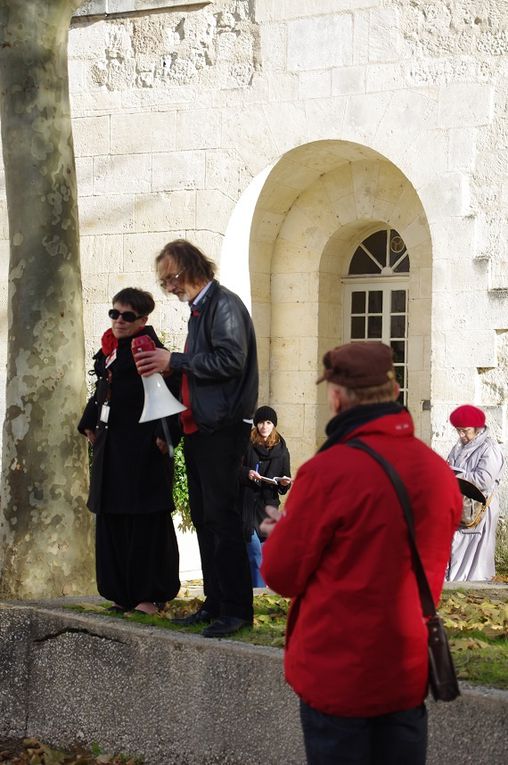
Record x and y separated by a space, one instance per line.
202 616
225 625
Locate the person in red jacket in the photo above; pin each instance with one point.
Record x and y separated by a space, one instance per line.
356 644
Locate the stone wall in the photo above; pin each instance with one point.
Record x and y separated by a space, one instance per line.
72 678
185 115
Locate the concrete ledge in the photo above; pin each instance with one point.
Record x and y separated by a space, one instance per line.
67 677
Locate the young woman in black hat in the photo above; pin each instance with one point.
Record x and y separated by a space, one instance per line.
267 457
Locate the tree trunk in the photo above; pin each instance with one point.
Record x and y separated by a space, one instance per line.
45 528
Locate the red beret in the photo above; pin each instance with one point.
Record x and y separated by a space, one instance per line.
467 416
359 365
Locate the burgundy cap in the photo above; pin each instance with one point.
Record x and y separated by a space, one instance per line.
467 416
359 365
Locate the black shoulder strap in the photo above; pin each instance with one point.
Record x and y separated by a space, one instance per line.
421 578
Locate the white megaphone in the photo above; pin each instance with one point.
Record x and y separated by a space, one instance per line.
159 401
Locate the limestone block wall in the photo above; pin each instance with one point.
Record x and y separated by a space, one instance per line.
178 108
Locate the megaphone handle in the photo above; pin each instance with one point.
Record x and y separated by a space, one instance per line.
167 437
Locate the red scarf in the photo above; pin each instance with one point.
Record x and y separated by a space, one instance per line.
108 342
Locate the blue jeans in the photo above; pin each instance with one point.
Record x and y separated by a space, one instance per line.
254 551
399 738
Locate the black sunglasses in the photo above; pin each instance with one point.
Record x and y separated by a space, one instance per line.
129 316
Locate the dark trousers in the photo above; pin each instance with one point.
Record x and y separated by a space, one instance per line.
136 558
399 738
213 465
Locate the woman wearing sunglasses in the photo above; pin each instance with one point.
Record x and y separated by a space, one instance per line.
137 562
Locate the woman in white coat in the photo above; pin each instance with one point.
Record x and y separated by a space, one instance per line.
477 458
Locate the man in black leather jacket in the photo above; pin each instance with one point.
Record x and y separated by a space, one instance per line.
219 387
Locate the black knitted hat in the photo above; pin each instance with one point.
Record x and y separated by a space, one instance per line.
265 413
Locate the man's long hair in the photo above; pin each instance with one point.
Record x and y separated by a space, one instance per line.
189 258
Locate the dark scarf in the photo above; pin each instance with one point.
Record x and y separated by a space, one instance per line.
268 452
345 422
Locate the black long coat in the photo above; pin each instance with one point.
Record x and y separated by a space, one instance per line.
129 473
269 462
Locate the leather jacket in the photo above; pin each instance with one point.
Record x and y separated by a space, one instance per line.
220 360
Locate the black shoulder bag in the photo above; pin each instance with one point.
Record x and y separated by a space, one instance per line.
442 676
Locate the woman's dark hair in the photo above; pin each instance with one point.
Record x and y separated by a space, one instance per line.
189 258
142 302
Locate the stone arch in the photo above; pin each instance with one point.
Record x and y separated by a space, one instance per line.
313 208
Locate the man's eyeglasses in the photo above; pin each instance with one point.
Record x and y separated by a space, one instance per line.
170 278
128 316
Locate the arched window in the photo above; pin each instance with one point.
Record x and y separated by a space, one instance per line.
376 297
383 253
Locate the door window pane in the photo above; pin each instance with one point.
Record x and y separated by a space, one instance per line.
375 328
361 263
357 327
376 302
358 302
376 245
403 266
398 301
399 351
400 375
398 326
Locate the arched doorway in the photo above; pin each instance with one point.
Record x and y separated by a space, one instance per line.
316 206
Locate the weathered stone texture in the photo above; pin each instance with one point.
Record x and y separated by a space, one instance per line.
454 27
153 50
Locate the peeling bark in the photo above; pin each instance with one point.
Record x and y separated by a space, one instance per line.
45 528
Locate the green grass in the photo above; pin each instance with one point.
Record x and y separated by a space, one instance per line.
476 622
268 628
477 626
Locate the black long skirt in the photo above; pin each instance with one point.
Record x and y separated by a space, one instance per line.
136 558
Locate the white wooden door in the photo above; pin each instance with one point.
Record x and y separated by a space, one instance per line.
377 310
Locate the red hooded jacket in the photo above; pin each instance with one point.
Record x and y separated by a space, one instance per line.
356 642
